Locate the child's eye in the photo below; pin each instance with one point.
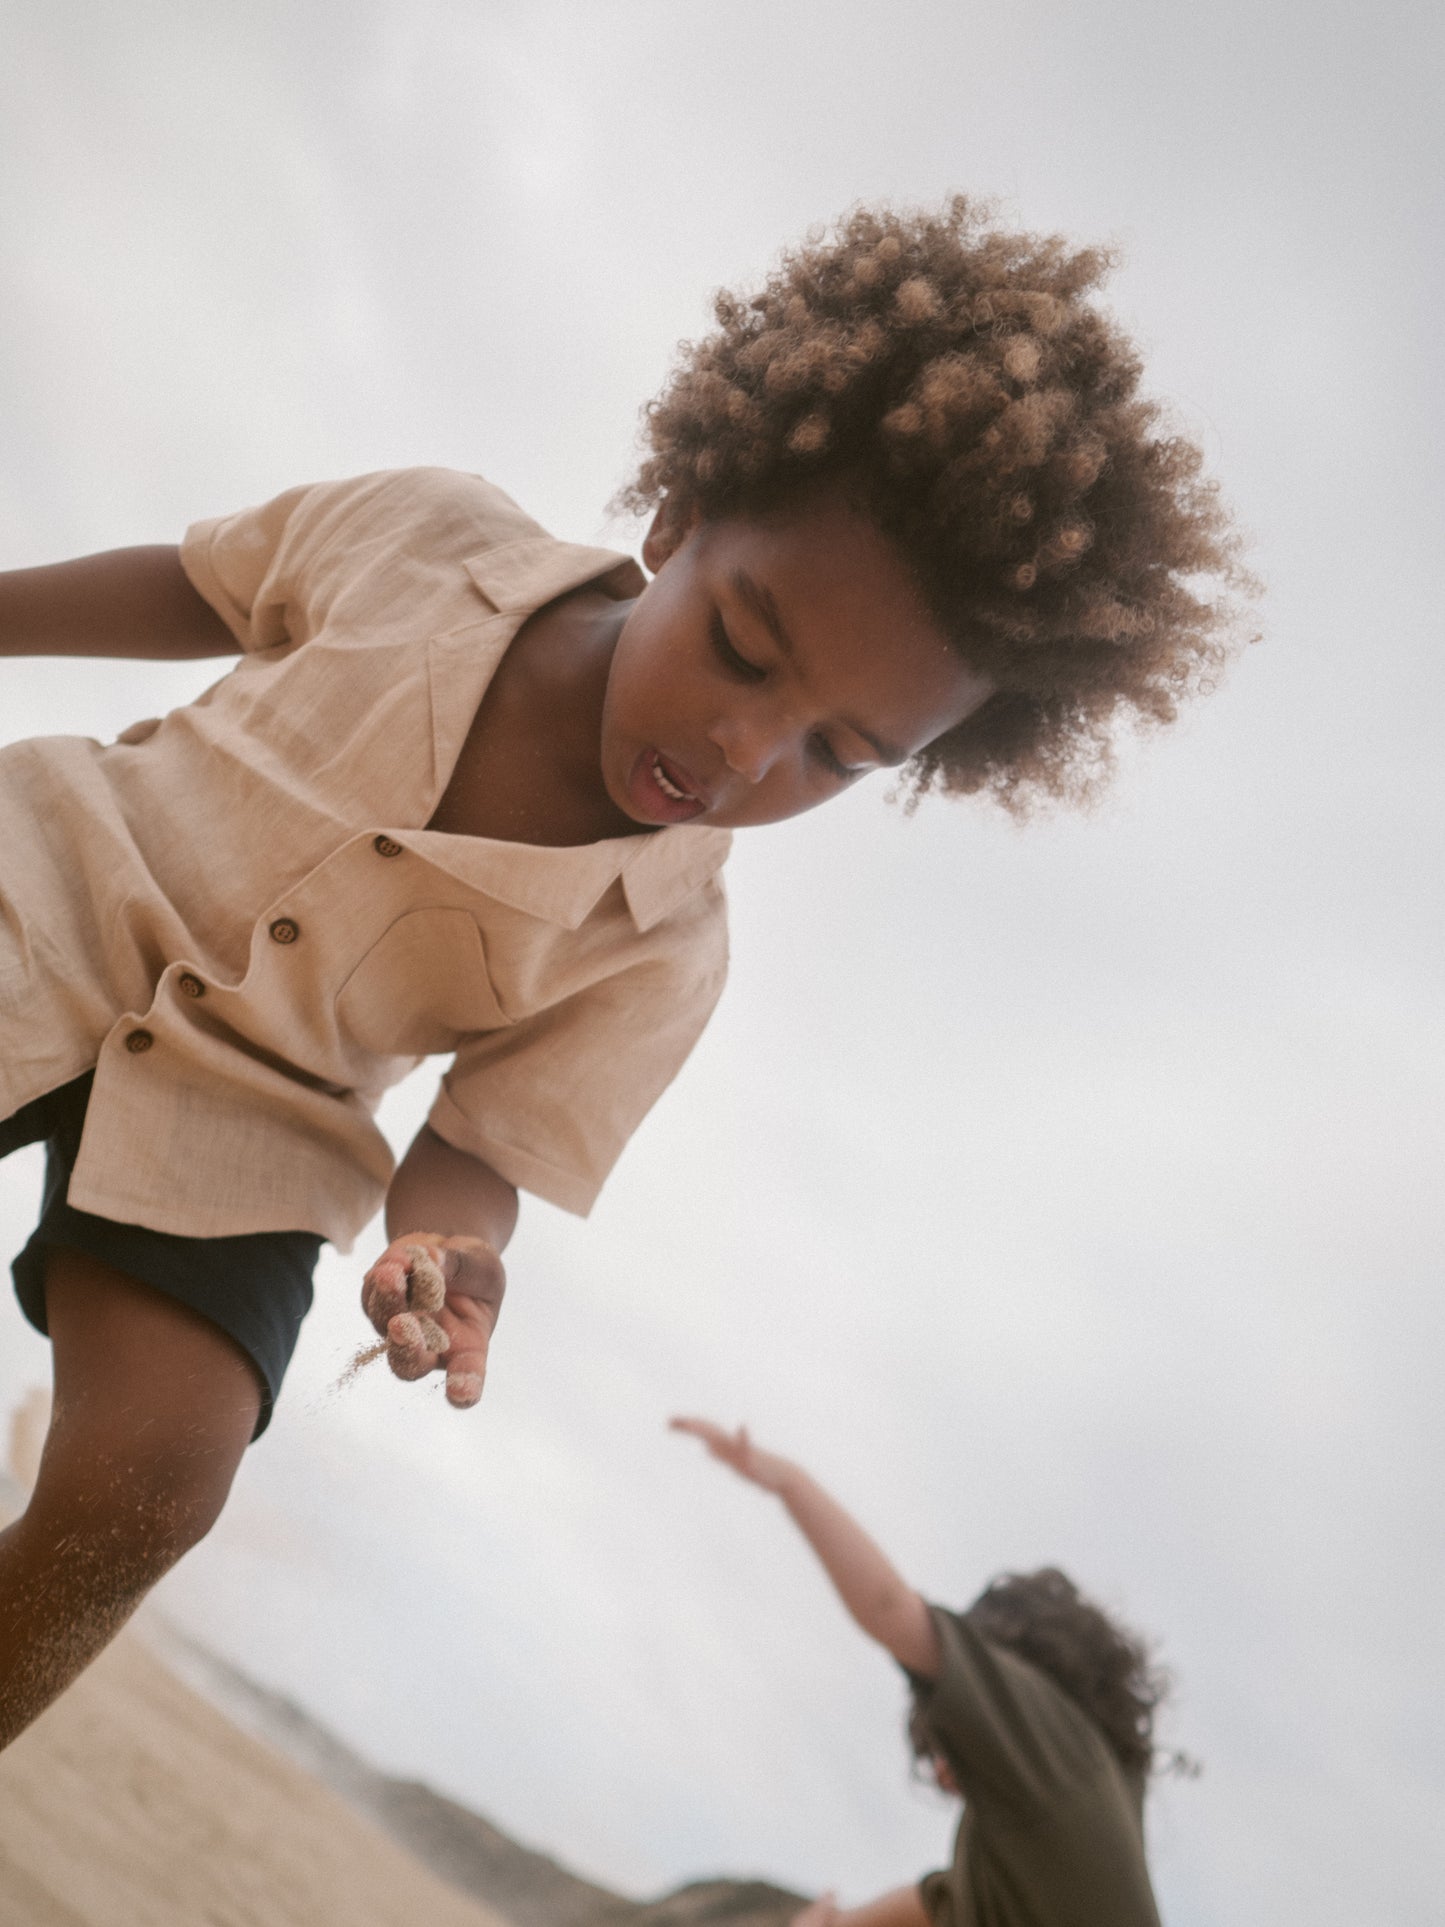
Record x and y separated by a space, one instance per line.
736 664
822 751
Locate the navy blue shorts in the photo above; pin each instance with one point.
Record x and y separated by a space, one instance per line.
256 1287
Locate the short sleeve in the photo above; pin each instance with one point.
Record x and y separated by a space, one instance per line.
551 1102
1010 1736
935 1890
239 563
279 573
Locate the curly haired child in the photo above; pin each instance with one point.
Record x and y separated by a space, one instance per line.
468 790
1034 1706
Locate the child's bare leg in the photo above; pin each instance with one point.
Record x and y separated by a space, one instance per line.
154 1407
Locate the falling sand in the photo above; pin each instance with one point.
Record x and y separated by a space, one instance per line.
363 1358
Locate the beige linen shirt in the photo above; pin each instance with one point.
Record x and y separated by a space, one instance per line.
237 916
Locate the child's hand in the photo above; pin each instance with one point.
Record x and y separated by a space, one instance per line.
822 1912
435 1301
737 1450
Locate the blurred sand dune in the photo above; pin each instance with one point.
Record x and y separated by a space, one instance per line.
132 1803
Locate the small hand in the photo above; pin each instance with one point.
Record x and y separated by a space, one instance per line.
737 1450
822 1912
435 1301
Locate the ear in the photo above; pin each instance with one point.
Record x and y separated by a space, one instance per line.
669 529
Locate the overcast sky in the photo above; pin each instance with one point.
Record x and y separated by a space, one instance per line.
1062 1194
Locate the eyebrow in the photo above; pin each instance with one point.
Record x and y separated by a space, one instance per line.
759 599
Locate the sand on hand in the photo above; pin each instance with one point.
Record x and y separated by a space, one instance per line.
426 1293
427 1289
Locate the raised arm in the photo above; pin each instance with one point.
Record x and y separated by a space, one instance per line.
123 602
874 1592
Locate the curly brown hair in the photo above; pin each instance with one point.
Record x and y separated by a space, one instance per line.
956 378
1107 1670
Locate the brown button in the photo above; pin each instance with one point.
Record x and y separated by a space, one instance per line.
138 1041
384 846
283 930
191 984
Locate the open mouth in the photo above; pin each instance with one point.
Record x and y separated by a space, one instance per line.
662 792
666 780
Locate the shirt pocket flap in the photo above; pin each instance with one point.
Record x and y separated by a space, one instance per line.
421 988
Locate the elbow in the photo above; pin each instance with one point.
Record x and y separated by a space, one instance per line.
905 1628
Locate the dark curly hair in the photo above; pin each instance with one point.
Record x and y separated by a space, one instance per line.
1107 1670
957 380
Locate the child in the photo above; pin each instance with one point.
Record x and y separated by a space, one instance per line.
1033 1706
469 790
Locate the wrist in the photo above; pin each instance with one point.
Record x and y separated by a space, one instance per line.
446 1240
787 1478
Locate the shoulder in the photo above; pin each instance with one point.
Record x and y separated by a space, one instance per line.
1000 1721
446 504
972 1664
360 520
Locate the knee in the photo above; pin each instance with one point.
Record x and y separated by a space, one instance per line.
141 1502
174 1498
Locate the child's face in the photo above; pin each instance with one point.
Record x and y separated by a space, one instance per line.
769 664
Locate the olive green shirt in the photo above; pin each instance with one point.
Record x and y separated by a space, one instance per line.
1052 1833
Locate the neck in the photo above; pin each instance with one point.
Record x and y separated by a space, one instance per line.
566 666
530 770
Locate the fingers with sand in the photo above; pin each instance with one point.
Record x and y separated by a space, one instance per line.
414 1340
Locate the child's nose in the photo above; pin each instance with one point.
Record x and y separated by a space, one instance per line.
750 745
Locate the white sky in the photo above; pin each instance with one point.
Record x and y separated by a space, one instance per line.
1069 1194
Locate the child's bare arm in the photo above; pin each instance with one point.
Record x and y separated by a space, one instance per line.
123 602
437 1184
434 1295
903 1907
874 1592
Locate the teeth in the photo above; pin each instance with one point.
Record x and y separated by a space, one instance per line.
669 788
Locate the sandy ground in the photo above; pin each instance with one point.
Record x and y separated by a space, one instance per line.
134 1803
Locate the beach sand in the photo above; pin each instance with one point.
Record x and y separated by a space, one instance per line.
132 1803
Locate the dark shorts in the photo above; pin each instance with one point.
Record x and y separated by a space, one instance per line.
256 1287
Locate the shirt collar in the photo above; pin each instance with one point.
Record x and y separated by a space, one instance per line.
659 871
520 576
668 866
